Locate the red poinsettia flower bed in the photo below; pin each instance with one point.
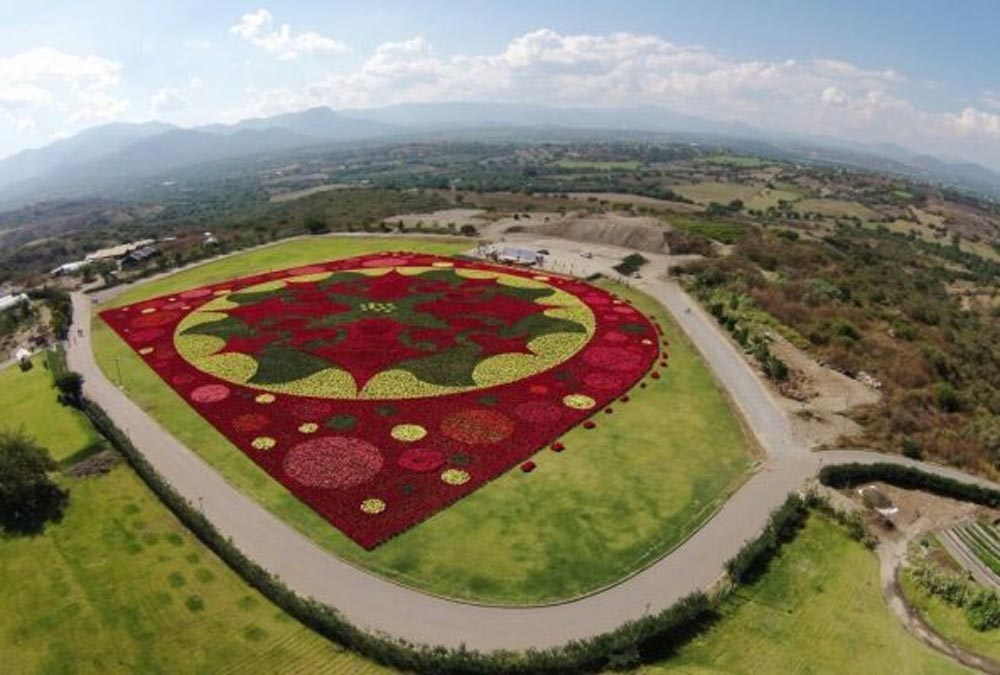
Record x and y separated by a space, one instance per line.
382 388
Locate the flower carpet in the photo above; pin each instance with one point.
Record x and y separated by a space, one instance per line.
382 388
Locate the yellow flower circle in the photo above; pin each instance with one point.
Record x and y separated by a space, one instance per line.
373 506
264 398
455 477
308 427
442 264
408 432
579 402
149 310
647 341
146 350
540 277
263 443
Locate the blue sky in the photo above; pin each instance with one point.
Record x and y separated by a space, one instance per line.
919 74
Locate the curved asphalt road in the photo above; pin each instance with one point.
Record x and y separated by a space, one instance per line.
385 607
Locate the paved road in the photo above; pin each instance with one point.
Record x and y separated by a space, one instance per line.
380 605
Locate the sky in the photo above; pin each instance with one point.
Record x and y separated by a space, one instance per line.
919 74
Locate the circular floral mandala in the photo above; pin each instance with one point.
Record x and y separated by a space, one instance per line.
384 332
333 462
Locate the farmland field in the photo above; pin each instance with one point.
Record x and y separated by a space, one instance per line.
837 208
949 621
723 193
670 476
817 609
28 402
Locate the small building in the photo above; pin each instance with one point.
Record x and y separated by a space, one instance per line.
519 256
139 256
12 300
116 252
69 268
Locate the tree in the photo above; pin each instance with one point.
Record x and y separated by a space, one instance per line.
29 498
70 386
316 225
468 230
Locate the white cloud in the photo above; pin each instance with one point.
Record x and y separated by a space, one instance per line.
258 28
46 79
167 100
817 96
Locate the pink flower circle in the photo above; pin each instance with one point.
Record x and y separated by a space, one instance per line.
334 462
210 393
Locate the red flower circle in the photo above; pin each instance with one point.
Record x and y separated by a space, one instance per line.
613 358
334 462
477 427
421 460
539 412
250 423
603 381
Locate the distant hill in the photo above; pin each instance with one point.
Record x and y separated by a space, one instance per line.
91 162
87 146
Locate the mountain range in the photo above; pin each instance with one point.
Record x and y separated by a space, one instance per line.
99 157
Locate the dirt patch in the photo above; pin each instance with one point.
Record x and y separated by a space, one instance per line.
637 200
819 398
95 465
637 233
445 217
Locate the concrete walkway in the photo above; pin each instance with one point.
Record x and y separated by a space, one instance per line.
385 607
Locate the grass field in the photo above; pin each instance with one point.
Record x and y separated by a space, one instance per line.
508 542
119 586
769 197
727 233
723 193
949 621
837 208
818 609
28 402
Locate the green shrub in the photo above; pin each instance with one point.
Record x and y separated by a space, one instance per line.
849 475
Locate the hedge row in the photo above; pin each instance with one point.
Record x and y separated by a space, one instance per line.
849 475
781 527
625 647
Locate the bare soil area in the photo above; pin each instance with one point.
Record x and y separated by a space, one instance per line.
819 398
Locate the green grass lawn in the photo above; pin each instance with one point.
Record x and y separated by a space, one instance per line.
818 609
28 402
120 586
949 621
632 489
